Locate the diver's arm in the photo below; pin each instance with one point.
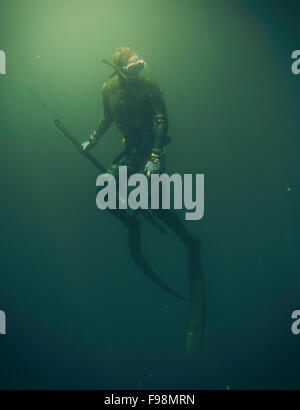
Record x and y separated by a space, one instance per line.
106 118
160 126
105 121
160 120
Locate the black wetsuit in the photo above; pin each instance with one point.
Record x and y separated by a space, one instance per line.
137 107
134 107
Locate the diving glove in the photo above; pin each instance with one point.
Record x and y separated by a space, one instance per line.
154 163
89 144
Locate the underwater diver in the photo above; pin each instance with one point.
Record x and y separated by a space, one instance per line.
136 104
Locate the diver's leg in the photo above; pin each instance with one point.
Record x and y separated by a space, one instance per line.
196 299
134 229
129 221
170 218
175 224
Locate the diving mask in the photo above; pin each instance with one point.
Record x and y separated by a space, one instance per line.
134 67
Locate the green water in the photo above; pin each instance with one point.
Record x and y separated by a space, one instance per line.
79 312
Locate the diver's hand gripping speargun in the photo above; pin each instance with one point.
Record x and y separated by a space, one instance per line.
131 222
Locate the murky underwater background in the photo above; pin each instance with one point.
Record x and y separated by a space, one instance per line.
79 312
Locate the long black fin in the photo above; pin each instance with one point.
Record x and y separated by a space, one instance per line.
134 237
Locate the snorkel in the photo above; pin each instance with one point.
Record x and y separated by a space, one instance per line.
116 68
129 71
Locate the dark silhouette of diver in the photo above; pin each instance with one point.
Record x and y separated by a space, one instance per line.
136 105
